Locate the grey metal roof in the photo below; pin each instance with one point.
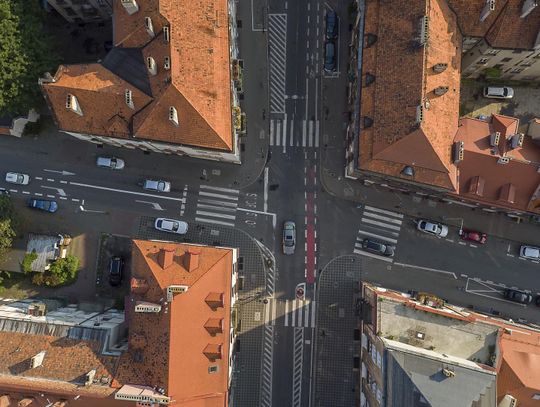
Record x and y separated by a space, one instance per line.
416 381
128 64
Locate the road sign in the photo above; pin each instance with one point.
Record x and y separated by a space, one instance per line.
300 291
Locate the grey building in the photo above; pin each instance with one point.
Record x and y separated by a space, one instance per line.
83 11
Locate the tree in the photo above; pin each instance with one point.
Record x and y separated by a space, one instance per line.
26 53
28 259
8 223
60 272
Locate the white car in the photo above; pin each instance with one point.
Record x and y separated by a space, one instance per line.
110 162
17 178
498 92
171 226
436 229
157 185
529 252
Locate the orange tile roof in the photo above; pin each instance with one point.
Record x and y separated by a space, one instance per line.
174 354
512 185
198 84
405 80
519 372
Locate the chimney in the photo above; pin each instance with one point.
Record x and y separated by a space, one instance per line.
131 6
528 7
37 360
90 377
191 260
486 11
165 258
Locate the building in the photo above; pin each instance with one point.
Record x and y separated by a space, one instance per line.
181 322
166 86
415 355
83 11
404 131
501 39
419 352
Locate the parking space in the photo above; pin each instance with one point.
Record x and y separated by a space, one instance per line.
525 104
113 246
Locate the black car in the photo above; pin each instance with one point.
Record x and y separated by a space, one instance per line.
382 249
517 296
537 301
329 57
331 25
116 268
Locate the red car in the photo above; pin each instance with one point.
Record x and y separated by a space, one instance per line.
473 236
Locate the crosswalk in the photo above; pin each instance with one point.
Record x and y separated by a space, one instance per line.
381 225
292 313
277 50
216 205
291 133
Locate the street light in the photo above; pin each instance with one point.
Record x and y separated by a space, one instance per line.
460 226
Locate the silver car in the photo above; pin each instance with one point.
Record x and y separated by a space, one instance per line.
110 162
432 228
529 252
159 186
17 178
289 237
498 92
171 226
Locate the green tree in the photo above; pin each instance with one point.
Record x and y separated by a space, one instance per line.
26 52
8 224
26 264
60 272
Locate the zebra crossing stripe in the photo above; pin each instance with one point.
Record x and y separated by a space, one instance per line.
272 132
215 215
373 209
310 134
304 132
219 203
317 134
212 221
219 208
384 238
232 191
384 225
211 194
385 218
363 253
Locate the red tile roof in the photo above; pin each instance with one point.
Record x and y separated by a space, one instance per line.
481 176
404 81
198 83
178 348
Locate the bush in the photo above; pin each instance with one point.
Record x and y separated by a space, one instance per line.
492 72
62 271
26 264
33 128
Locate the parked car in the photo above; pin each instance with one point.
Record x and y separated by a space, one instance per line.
116 270
43 205
436 229
529 252
331 25
17 178
4 191
289 237
376 247
110 162
498 92
517 296
159 186
473 236
329 57
171 226
537 301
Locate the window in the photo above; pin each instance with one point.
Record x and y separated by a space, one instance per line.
149 26
167 63
516 70
151 65
212 369
166 34
491 52
129 98
536 396
516 51
482 61
506 59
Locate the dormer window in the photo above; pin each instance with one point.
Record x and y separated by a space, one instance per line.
129 99
73 104
151 65
166 34
173 115
149 26
130 6
167 63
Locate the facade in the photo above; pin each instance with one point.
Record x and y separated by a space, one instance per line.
62 356
421 352
83 11
404 131
166 86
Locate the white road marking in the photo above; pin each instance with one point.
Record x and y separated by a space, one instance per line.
26 192
155 205
386 218
38 194
375 256
287 313
233 191
50 179
427 269
373 209
384 225
265 189
383 238
39 178
304 132
271 130
217 215
59 191
219 208
13 190
212 221
213 195
219 203
122 191
51 196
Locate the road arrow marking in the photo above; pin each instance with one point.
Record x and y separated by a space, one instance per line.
155 205
63 172
59 191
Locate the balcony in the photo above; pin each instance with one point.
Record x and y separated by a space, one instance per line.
237 74
237 117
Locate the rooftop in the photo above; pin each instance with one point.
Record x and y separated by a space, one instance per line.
192 285
437 330
197 84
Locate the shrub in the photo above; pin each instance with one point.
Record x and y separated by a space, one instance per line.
26 264
62 271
